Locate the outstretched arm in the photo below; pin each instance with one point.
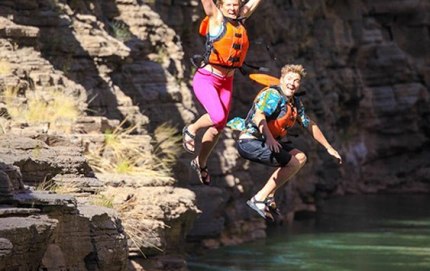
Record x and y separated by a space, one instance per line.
249 8
319 136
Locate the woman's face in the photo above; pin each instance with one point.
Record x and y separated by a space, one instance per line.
290 83
230 8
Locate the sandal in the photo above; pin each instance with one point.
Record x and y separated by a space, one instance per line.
271 205
190 142
263 212
206 179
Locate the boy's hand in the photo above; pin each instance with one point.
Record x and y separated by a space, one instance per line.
334 153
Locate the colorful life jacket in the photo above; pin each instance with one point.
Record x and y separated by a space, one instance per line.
230 48
282 119
286 119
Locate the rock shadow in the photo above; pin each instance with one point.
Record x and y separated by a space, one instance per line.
58 44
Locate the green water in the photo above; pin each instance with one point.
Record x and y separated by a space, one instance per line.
362 233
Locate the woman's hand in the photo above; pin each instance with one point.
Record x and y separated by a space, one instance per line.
249 8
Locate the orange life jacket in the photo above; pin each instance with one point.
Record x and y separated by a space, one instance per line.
278 127
229 50
282 118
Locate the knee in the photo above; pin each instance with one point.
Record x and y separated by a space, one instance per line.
301 158
214 131
297 161
219 120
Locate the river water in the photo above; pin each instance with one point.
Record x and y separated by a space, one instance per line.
363 233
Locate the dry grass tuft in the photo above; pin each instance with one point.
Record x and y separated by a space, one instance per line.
52 186
137 235
167 145
133 226
46 185
102 200
4 125
4 67
51 106
122 152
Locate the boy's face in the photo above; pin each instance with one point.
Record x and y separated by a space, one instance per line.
290 83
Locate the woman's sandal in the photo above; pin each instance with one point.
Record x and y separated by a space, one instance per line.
271 205
206 179
263 212
185 142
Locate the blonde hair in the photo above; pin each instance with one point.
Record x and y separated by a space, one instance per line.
220 2
293 68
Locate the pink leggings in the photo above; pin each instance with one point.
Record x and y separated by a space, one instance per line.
214 93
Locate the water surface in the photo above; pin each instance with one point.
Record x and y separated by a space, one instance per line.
365 233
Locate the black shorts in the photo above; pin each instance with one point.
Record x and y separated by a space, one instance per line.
257 151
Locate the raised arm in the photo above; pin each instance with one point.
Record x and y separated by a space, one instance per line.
319 136
249 8
210 8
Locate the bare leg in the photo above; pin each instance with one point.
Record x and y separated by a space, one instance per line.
209 140
282 175
203 122
301 157
188 139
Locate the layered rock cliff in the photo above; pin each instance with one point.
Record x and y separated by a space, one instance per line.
367 87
